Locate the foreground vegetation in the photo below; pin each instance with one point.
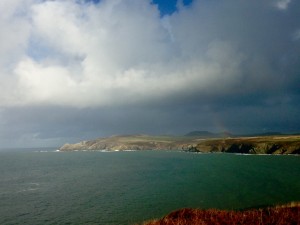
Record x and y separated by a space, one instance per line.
279 215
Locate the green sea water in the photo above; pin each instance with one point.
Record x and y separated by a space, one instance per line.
130 187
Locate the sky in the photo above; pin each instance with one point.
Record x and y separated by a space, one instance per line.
73 70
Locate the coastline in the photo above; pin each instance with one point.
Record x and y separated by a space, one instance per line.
259 145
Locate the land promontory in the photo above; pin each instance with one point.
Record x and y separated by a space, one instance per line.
273 144
134 142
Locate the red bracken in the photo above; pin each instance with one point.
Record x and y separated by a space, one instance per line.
279 215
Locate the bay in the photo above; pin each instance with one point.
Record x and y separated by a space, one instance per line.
48 187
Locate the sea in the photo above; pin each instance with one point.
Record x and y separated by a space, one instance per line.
41 186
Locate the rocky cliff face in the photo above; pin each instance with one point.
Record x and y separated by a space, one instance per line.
254 145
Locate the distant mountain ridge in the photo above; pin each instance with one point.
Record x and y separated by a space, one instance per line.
203 133
208 134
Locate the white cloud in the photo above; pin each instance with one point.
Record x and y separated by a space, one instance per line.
116 52
85 55
14 33
282 4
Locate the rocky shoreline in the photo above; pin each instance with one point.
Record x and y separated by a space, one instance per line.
251 145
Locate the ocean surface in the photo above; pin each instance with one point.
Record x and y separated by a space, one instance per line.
47 187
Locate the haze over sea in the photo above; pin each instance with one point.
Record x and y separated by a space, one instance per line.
129 187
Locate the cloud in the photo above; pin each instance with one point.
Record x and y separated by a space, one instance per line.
14 34
282 4
97 48
91 55
122 54
87 55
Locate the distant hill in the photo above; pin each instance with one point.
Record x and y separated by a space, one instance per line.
271 133
134 142
200 133
207 134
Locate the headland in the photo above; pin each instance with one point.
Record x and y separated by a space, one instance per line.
203 142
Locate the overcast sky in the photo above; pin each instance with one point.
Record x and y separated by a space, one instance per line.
72 70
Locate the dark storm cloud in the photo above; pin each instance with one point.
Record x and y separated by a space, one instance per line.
120 67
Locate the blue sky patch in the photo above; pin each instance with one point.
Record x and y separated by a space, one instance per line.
166 7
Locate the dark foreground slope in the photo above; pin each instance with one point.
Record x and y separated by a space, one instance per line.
280 215
281 144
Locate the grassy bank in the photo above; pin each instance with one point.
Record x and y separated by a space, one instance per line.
279 215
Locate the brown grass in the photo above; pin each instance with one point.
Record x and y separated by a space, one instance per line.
280 215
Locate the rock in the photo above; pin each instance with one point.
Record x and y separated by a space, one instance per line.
253 145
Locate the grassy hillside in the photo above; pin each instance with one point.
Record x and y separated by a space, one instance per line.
134 142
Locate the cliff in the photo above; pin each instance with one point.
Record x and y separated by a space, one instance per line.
252 145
